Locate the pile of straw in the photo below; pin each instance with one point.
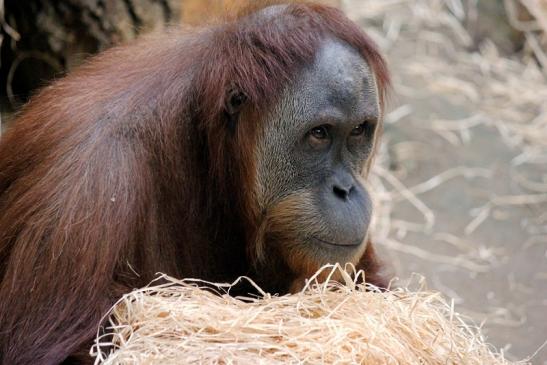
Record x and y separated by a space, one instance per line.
177 322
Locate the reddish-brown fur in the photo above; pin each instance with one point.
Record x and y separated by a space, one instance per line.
125 168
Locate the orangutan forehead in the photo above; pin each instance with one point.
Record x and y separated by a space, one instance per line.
338 83
341 77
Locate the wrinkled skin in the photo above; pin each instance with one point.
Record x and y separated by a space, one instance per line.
312 153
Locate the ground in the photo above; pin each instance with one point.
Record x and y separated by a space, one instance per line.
462 178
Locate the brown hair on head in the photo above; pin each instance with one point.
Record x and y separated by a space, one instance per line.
259 54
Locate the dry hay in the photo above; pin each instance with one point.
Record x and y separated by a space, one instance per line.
177 322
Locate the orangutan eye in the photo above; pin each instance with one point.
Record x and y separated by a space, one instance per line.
320 132
359 129
319 137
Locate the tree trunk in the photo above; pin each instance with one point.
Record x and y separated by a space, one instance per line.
56 36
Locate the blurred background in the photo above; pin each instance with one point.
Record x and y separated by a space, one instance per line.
461 178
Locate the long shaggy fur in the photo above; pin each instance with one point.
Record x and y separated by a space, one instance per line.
126 168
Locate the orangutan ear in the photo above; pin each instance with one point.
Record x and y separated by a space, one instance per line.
235 101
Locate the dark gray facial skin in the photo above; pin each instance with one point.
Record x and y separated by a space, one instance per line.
313 149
